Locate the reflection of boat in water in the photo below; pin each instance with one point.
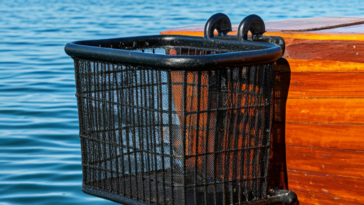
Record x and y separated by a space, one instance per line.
318 143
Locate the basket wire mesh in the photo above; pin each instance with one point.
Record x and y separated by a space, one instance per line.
175 137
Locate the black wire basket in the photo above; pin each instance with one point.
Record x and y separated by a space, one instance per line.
176 119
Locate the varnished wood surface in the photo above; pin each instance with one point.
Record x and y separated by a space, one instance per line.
355 29
343 51
328 110
322 85
316 188
318 109
326 161
308 198
338 136
312 24
304 65
326 85
318 36
296 25
315 25
339 29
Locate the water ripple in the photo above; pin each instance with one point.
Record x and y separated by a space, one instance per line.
40 157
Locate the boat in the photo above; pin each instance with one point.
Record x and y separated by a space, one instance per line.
318 108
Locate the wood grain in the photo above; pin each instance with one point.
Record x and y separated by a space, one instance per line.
322 122
348 137
357 36
308 198
354 29
296 25
316 188
349 163
312 24
335 110
344 32
344 51
326 85
299 65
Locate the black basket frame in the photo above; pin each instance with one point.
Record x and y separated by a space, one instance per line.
117 51
215 54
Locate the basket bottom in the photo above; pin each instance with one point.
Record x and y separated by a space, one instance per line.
274 196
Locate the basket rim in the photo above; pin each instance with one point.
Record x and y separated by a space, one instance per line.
257 52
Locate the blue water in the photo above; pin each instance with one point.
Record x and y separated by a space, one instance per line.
40 160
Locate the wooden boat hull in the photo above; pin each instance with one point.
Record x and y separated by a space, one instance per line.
318 123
